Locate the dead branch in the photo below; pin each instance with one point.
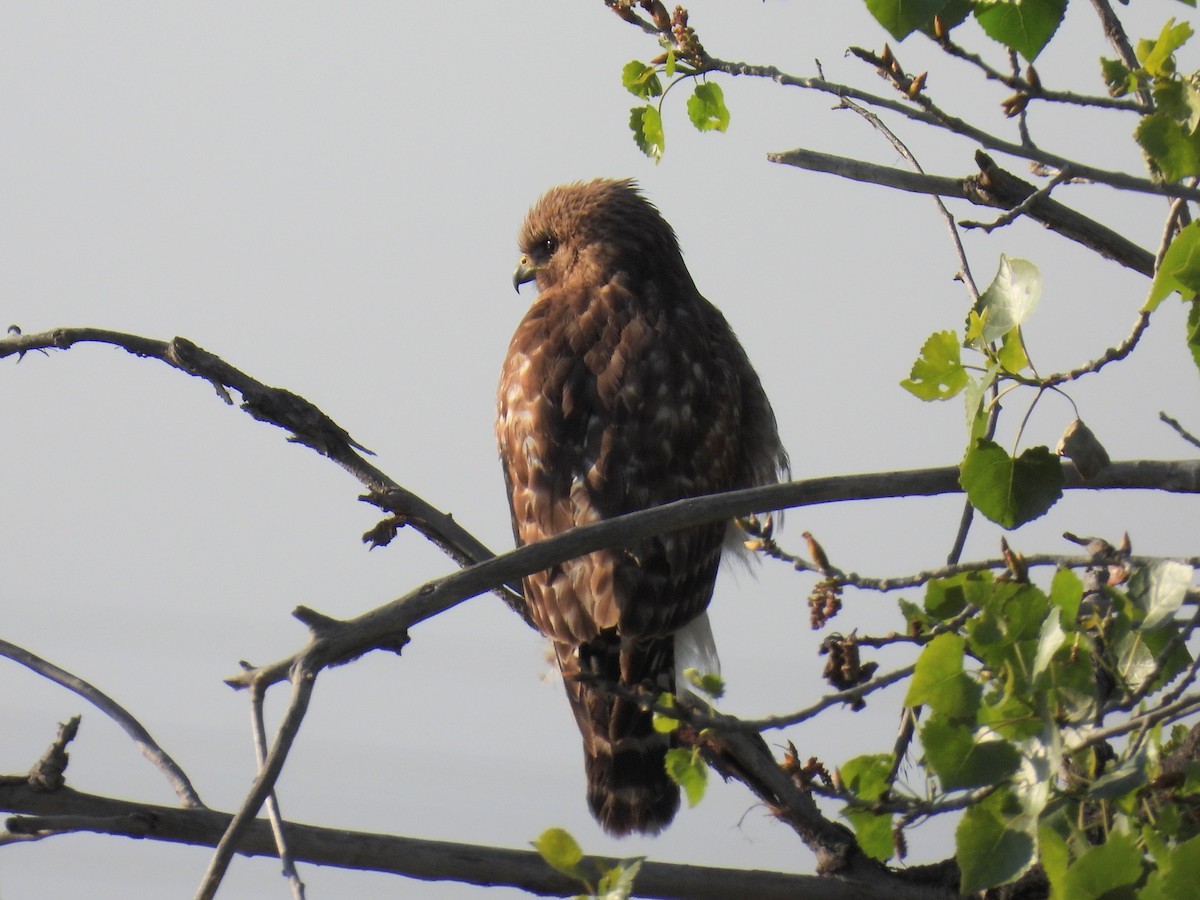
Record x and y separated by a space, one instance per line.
306 424
993 187
131 726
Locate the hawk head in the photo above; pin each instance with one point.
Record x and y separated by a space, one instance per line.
596 229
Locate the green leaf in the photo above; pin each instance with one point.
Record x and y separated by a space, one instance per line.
706 107
902 17
913 614
661 723
1119 78
1116 862
1137 651
1072 696
940 682
646 124
1050 640
961 760
709 683
989 851
560 851
947 597
1158 591
1032 783
866 777
1010 491
938 373
1009 300
1126 778
1022 25
1177 875
617 882
1193 332
952 15
1011 718
1054 855
640 79
873 831
1066 590
1012 356
1021 609
1179 269
973 397
1158 57
1177 98
669 66
1173 149
688 771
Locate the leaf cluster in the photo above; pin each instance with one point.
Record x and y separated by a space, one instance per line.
562 852
705 107
1024 27
1016 681
1008 490
1010 697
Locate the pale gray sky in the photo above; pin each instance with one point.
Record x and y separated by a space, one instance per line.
326 195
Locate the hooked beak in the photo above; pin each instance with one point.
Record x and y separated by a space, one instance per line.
525 271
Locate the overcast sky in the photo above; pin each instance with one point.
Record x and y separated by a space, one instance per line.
327 196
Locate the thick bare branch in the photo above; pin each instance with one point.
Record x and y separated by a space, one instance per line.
65 811
382 627
993 187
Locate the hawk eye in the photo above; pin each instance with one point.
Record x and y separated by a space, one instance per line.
547 247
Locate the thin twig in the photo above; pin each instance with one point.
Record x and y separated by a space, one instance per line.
170 769
259 732
1037 92
1112 354
1179 429
901 148
1121 180
1176 708
768 546
303 679
1011 215
1115 32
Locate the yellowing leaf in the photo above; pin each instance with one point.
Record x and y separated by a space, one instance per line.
938 373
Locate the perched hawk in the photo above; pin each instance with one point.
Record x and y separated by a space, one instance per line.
623 389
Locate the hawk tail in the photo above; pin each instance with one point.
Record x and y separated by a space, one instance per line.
625 758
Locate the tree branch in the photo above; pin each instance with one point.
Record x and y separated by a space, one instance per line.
162 760
306 423
993 187
383 626
258 731
303 676
1115 179
66 811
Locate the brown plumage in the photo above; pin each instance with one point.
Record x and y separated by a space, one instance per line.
623 389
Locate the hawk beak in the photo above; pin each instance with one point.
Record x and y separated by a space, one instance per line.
525 271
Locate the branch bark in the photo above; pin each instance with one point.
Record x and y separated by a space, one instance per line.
305 422
68 811
993 187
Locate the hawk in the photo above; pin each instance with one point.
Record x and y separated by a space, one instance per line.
623 389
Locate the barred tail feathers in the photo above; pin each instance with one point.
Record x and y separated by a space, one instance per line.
624 757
